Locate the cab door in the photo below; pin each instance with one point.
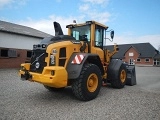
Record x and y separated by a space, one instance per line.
97 45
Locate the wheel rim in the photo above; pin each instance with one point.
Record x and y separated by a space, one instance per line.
92 82
123 76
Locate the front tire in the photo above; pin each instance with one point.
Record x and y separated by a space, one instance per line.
87 86
120 80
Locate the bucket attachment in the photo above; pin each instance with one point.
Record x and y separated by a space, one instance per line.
131 75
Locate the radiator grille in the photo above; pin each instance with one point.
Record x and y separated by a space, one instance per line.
62 56
38 56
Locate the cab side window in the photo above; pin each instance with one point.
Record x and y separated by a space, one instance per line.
99 36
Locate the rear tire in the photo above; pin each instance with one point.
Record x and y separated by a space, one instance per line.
52 89
120 81
87 86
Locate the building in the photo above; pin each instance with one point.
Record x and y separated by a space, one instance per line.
16 42
138 54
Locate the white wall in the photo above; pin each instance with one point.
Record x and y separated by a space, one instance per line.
8 40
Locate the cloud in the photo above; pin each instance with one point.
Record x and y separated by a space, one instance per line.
88 12
84 7
12 3
5 2
154 40
95 10
21 2
102 17
46 25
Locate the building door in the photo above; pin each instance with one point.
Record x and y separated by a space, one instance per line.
156 62
131 61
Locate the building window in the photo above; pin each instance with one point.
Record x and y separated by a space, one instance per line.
8 53
4 52
156 62
131 54
29 54
147 60
138 60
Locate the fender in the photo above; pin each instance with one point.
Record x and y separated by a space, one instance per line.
113 68
74 67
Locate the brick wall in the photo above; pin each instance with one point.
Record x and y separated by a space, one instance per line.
128 55
132 53
13 62
143 61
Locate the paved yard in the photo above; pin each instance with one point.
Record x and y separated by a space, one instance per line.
23 100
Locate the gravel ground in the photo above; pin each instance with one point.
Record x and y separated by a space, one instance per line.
23 100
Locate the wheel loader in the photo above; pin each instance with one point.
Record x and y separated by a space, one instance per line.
79 60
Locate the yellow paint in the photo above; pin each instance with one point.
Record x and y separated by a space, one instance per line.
60 77
123 76
92 82
58 80
70 48
25 66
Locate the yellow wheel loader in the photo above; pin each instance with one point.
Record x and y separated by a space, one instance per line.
79 60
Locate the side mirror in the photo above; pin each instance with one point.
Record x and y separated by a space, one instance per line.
112 34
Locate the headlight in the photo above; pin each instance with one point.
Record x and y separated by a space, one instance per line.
43 46
54 51
52 60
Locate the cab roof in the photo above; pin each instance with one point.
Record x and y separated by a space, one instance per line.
87 23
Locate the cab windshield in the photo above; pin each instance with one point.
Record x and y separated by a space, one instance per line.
80 31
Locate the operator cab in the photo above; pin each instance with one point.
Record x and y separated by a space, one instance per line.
92 32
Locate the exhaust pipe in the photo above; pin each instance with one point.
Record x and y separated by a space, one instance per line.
58 29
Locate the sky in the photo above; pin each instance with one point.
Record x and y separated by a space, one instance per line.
134 21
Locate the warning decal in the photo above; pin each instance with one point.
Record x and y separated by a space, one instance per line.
78 59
